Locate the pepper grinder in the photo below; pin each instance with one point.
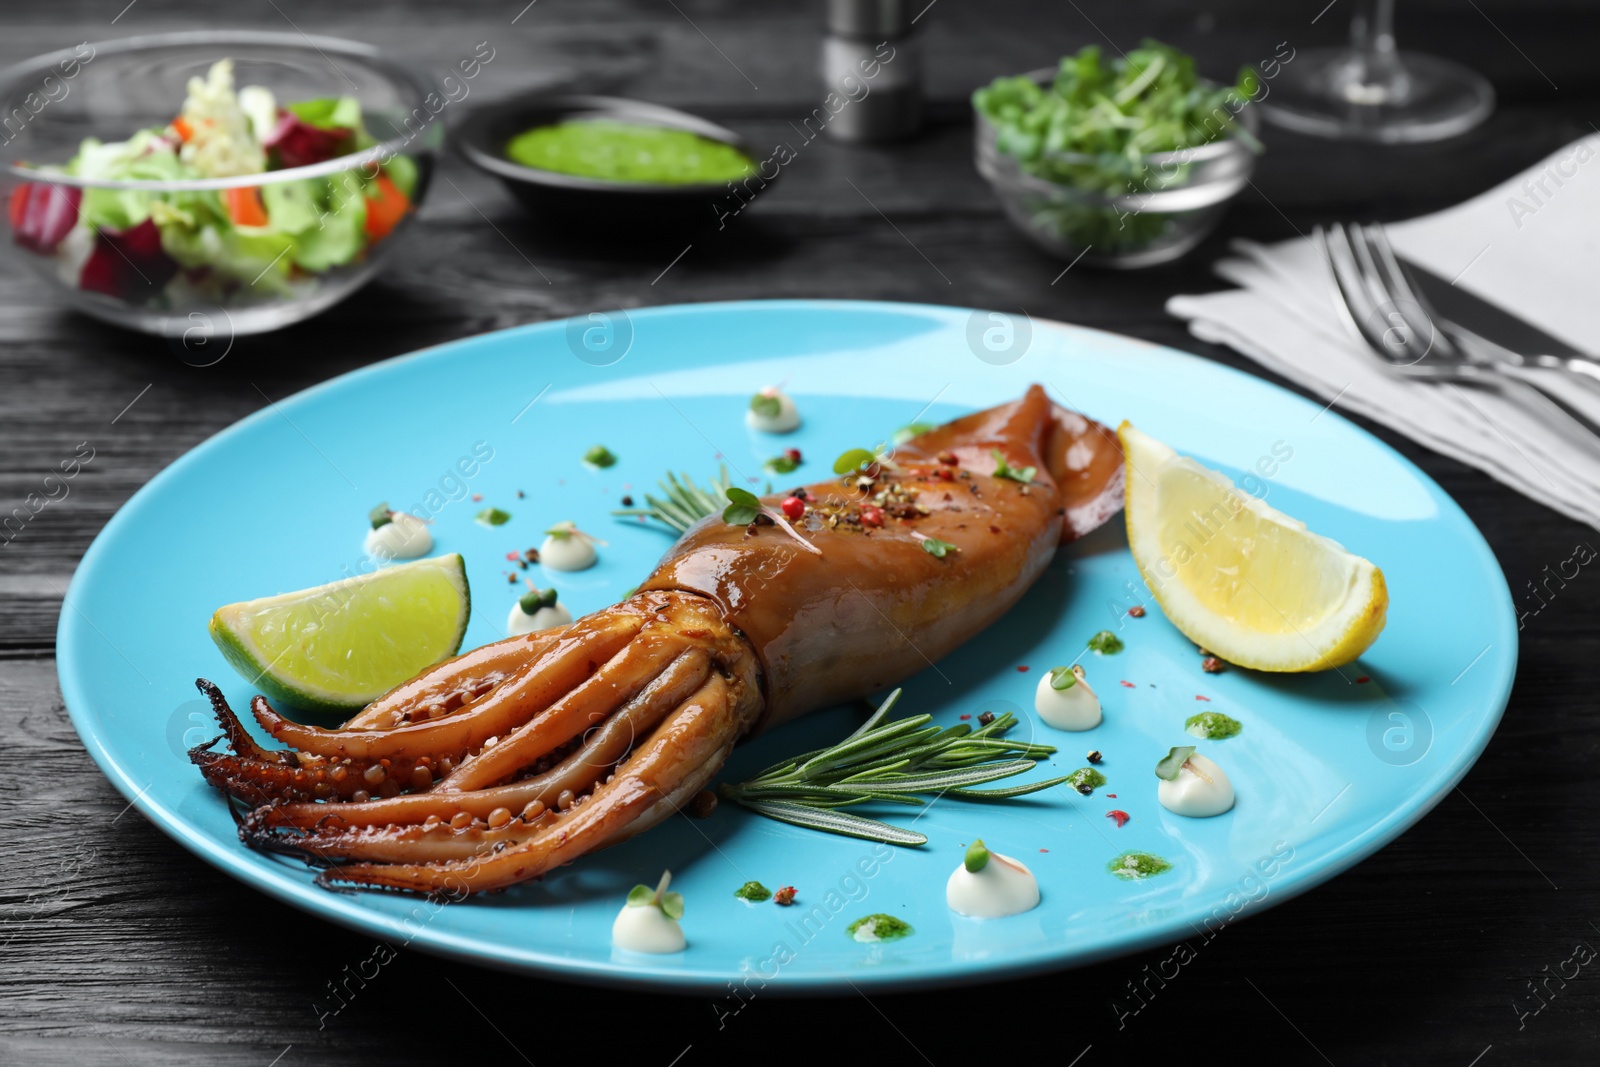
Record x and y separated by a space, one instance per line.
871 71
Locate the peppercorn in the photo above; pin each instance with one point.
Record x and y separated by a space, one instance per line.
1085 788
1094 756
627 501
703 804
784 897
1137 611
793 507
985 718
871 516
1212 665
792 455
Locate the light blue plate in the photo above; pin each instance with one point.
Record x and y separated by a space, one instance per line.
1329 768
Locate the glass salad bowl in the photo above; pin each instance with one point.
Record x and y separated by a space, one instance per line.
231 181
1116 211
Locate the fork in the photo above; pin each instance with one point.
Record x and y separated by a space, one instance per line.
1380 307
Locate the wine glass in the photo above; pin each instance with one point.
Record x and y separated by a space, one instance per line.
1371 91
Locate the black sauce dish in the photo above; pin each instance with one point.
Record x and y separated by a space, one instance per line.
570 202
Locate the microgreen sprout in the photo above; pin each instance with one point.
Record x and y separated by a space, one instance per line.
380 516
766 404
1064 678
934 547
856 459
1003 469
561 531
915 429
780 465
493 517
744 507
977 857
671 904
600 456
1172 763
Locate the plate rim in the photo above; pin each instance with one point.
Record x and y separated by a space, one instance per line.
343 909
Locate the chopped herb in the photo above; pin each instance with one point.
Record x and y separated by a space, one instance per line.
780 465
1063 678
893 763
915 429
1167 770
766 405
1086 776
856 459
1136 865
534 600
754 892
1002 469
937 548
977 857
1106 643
562 530
380 516
493 517
600 456
1213 725
879 927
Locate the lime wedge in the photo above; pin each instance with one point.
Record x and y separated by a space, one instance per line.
340 646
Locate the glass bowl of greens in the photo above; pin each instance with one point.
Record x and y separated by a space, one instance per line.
192 184
1122 163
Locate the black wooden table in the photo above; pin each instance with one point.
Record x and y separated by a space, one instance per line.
117 946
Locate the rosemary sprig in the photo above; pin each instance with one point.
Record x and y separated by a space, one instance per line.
892 762
683 503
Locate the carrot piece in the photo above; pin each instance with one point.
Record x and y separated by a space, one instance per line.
244 206
184 130
385 209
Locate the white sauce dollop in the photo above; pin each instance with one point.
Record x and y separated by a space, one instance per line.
402 537
787 420
572 552
1073 708
520 622
1200 790
1003 887
646 928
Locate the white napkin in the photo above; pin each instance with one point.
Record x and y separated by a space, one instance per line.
1530 245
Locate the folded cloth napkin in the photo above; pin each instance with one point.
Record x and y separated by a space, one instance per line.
1530 245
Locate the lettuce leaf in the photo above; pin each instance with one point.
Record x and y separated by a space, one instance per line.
329 112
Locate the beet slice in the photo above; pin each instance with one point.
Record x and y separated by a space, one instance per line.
129 265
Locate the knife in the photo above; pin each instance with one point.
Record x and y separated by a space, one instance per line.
1487 320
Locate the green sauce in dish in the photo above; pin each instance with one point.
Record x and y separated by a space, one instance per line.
879 927
1213 725
1086 776
1132 866
626 152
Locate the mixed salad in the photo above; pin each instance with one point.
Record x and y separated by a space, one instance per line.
1092 129
230 245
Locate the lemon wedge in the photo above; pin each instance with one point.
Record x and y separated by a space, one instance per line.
1240 578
